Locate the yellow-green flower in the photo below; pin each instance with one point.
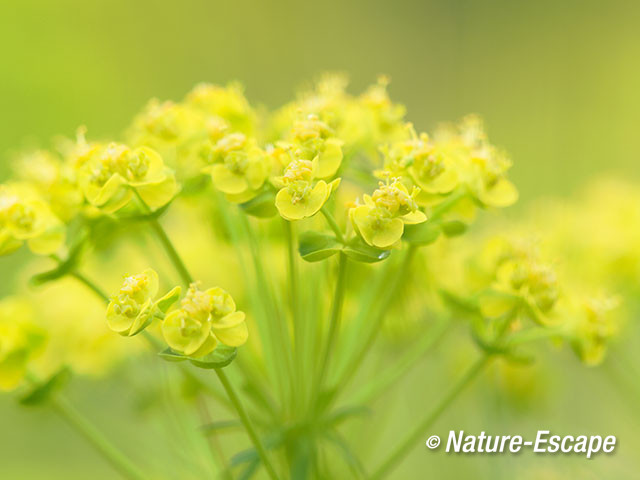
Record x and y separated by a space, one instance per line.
237 167
20 341
54 179
134 306
423 163
520 275
109 174
301 196
312 139
380 221
593 326
25 217
204 319
227 103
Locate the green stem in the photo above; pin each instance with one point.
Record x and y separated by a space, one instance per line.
116 458
334 323
172 253
333 224
244 418
90 285
374 320
385 379
414 437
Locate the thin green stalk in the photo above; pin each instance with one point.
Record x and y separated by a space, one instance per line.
296 312
244 418
172 253
334 322
85 428
389 292
385 379
280 335
90 285
413 439
333 224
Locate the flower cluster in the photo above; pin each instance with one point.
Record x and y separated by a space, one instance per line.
26 217
381 220
204 319
20 340
109 176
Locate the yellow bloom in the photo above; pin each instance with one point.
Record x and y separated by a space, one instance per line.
134 307
204 319
237 167
110 172
300 196
380 221
24 216
20 341
314 140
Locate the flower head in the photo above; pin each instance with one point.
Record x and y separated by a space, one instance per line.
204 319
110 173
134 306
380 221
26 217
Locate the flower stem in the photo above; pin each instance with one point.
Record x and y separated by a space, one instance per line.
90 285
244 418
83 426
334 323
413 438
172 253
333 224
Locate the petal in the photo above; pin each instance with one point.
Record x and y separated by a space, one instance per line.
330 158
207 347
176 336
156 195
226 181
414 217
390 234
116 322
151 290
232 329
502 194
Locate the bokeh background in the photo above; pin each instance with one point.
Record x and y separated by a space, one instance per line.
556 81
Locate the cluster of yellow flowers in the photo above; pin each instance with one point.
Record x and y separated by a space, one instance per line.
320 154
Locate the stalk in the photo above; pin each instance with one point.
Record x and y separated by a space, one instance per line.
414 437
172 253
85 428
90 285
336 311
388 293
244 418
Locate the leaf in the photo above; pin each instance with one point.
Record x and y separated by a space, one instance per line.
215 427
315 246
262 206
168 299
422 233
172 356
219 358
43 391
64 267
454 228
359 251
143 217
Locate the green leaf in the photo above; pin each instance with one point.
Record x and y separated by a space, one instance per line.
315 246
262 206
219 358
359 251
43 391
215 427
422 233
168 299
454 228
172 356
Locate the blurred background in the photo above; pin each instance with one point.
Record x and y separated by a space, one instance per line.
556 81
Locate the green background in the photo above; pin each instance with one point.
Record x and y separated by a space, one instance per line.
557 82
